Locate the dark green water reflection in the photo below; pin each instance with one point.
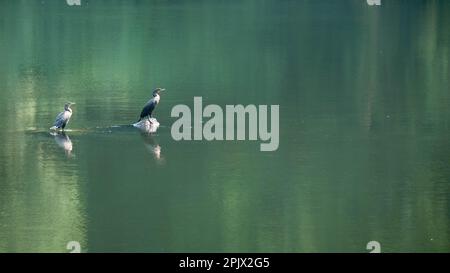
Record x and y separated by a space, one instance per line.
364 126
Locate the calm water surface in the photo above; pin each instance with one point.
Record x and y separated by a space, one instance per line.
364 126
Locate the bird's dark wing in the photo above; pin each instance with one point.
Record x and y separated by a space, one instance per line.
148 109
61 119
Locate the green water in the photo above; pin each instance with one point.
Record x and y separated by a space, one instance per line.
364 126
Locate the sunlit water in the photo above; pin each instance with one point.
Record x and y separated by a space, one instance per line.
364 126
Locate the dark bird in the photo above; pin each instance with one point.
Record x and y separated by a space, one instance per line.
63 118
151 104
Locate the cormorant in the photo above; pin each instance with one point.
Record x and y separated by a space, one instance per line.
63 118
151 104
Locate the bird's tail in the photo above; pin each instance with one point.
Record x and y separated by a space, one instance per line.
53 128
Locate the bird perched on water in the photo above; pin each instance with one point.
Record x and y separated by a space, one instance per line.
63 118
151 104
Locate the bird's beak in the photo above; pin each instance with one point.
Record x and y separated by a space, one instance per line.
72 103
162 89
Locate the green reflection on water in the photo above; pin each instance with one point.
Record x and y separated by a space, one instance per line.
363 95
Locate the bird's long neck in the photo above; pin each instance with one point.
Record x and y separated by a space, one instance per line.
156 98
67 108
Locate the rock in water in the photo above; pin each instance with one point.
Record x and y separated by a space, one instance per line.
148 125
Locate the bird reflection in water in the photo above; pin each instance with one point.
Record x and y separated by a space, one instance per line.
63 141
152 146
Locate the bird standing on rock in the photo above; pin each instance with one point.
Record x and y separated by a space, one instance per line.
63 118
151 104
